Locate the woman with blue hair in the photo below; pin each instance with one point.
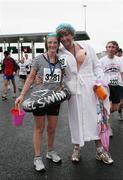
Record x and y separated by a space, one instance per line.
82 68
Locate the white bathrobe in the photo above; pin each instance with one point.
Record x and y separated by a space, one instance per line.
82 106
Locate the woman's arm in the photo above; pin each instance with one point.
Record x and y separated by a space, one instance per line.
26 87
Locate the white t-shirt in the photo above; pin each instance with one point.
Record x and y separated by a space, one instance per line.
112 69
28 64
22 70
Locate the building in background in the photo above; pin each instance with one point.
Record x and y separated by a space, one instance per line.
31 43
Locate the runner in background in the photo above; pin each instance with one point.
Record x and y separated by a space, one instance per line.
9 70
119 52
113 74
22 73
28 63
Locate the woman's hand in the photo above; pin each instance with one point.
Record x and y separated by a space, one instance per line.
19 100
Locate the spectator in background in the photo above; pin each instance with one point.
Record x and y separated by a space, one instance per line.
9 70
119 52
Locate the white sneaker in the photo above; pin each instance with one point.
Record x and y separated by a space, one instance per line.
53 156
105 157
38 163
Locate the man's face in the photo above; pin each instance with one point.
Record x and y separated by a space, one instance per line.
111 49
66 39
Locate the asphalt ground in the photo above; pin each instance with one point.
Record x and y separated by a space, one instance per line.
16 150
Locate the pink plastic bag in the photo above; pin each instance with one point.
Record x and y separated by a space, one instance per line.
17 116
103 130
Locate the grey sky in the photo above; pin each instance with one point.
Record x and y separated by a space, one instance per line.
104 20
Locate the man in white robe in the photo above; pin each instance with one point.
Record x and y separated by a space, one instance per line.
82 68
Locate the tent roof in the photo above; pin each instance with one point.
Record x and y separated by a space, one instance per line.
36 37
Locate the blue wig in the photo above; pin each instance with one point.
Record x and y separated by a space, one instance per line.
51 35
65 26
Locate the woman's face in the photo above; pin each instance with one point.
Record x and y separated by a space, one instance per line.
52 44
66 39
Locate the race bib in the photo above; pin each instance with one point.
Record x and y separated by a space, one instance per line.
28 68
22 69
55 78
114 80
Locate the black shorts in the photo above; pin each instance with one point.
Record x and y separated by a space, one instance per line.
28 72
121 92
22 77
52 110
114 94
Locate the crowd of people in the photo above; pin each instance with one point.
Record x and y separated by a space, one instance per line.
10 68
76 66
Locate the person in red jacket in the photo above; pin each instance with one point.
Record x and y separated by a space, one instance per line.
9 70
